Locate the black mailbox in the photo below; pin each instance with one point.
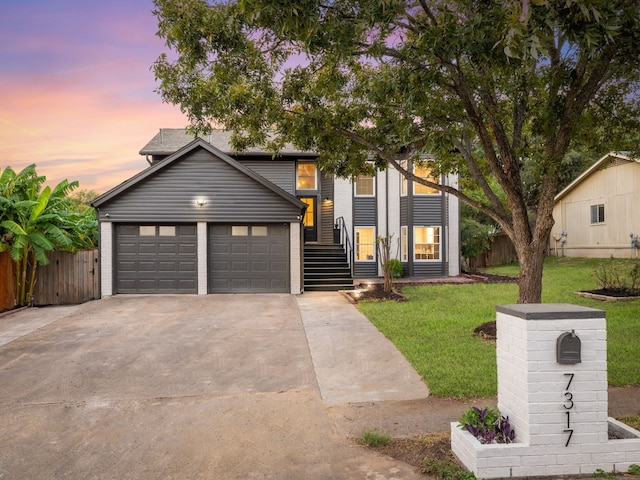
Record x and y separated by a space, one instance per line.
568 348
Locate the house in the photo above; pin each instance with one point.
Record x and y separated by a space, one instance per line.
203 219
595 215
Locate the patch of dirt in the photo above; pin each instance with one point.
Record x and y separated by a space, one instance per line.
615 292
375 292
435 446
486 331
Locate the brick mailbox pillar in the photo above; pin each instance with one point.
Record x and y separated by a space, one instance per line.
552 383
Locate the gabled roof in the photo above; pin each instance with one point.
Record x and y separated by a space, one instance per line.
604 162
194 144
170 140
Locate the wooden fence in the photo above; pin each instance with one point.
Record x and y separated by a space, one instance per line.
7 282
500 252
68 279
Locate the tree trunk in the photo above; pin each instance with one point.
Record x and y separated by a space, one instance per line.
530 280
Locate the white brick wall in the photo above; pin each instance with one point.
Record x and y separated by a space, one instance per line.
106 259
532 391
295 257
203 277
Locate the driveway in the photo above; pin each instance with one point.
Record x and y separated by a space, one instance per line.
194 387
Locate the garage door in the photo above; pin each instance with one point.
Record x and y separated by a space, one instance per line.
156 259
248 258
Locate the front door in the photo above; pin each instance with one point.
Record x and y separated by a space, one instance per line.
310 221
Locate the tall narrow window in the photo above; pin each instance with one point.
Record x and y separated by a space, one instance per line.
403 179
306 173
404 244
597 213
426 243
423 171
365 243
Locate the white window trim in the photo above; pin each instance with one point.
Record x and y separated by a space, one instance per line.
428 260
315 171
404 182
355 245
604 214
415 194
367 195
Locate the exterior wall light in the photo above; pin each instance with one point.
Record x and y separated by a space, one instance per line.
200 202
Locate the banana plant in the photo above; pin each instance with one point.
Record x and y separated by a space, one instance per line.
33 222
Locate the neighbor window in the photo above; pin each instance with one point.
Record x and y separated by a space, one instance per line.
365 243
365 186
306 176
404 244
597 213
426 243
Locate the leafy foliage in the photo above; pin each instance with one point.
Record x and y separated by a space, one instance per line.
36 220
497 92
618 275
487 425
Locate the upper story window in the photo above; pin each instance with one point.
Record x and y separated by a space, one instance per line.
307 176
422 171
365 186
597 213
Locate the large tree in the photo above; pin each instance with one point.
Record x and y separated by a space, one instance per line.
484 87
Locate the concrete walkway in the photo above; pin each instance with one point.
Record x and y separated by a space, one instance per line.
353 361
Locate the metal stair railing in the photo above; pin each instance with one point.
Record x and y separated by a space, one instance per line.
345 241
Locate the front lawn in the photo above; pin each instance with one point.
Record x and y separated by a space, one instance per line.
434 329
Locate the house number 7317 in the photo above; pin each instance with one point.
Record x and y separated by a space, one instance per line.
568 405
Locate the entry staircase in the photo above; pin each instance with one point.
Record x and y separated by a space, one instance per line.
326 268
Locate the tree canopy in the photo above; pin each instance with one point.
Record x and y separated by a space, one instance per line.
483 87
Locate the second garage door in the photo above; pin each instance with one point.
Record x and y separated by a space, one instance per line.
248 258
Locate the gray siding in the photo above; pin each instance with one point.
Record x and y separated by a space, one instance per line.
404 211
169 195
364 211
428 269
427 210
279 172
365 269
326 209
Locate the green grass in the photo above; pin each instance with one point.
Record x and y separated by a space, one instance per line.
434 328
374 438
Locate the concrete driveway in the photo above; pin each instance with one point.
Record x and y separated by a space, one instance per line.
194 387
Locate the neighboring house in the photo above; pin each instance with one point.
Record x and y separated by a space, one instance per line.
597 214
202 219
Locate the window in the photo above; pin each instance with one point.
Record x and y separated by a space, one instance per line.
239 230
259 231
403 179
426 243
147 231
365 186
306 176
365 243
422 171
404 244
167 231
597 213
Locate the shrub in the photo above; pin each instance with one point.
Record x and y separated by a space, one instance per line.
618 275
487 425
395 266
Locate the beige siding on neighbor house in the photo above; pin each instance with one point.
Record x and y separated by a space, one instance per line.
617 187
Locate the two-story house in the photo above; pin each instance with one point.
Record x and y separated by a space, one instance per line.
203 219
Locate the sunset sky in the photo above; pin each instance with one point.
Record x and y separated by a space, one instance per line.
76 90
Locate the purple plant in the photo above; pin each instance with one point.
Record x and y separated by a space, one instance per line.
487 425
